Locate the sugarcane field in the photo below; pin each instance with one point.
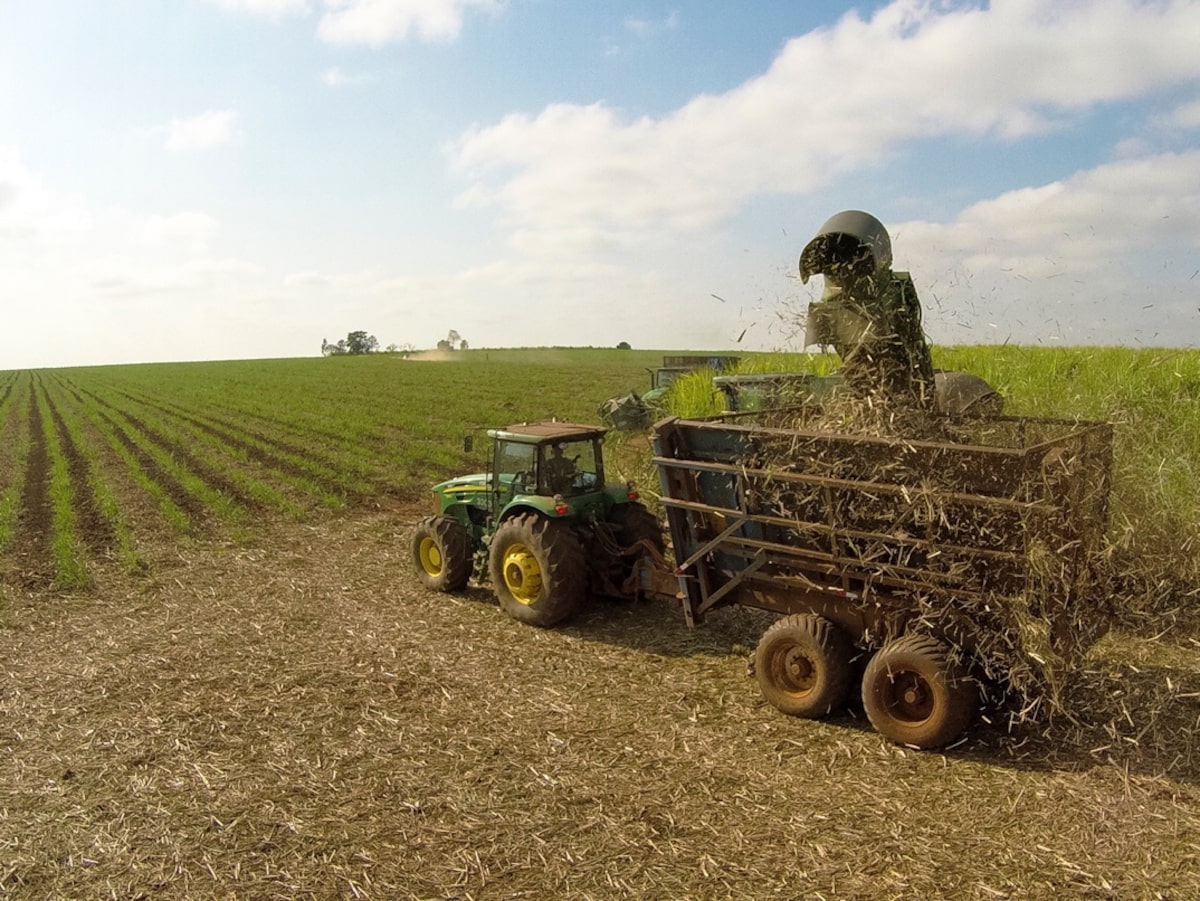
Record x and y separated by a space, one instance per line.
224 675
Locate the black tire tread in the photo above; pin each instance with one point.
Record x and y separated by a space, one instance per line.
455 545
564 568
636 523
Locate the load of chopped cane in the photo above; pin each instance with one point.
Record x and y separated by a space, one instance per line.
986 532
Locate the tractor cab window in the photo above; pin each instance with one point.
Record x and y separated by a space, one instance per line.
515 466
568 467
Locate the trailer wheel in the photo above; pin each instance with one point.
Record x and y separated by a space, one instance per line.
803 665
916 693
537 568
441 550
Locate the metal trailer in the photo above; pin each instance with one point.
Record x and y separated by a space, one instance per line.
951 566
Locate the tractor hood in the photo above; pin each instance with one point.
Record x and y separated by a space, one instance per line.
465 488
468 489
466 483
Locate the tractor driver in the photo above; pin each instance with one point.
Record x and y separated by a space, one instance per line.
559 470
868 313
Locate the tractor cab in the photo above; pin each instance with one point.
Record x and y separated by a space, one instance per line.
555 469
547 459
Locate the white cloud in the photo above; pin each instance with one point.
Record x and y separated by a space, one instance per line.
835 100
30 211
272 8
1112 212
647 28
202 132
306 279
334 77
1186 116
378 22
193 229
1074 256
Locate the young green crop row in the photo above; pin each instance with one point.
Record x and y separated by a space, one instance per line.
99 464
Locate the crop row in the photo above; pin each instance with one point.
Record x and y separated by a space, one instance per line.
90 477
102 467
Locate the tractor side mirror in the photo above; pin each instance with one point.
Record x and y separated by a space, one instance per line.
468 443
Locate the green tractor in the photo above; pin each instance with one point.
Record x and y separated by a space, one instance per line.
542 525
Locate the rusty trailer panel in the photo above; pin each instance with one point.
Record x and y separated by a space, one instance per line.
872 531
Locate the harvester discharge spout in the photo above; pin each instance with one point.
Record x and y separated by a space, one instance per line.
869 314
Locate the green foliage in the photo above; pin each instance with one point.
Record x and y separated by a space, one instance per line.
361 343
232 441
1151 396
1153 399
70 570
103 495
693 395
14 451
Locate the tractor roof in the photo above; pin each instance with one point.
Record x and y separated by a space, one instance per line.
539 432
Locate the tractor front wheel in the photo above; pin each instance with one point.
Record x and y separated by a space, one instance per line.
803 665
441 550
537 569
916 693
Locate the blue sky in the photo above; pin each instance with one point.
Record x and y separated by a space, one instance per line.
214 179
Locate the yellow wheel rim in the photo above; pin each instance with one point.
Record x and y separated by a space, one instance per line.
522 574
431 557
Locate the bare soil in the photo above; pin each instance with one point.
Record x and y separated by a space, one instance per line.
35 522
296 718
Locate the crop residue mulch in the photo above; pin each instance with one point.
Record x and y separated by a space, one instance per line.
297 719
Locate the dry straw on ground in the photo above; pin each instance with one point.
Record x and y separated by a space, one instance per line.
298 720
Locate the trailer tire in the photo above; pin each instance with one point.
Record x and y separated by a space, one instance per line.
441 550
916 693
537 569
803 665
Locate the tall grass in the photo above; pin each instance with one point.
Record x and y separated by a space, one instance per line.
1151 396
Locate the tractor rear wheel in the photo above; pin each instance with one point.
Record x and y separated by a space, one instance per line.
916 693
803 665
537 569
635 523
634 529
441 550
